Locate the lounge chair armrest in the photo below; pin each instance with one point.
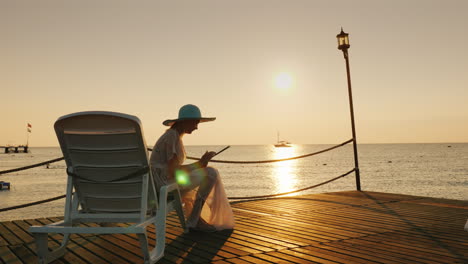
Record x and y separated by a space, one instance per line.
169 187
170 190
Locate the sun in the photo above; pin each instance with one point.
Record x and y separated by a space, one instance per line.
283 80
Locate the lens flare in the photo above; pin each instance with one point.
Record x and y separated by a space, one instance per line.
182 177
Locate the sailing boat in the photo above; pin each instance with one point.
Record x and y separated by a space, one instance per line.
282 143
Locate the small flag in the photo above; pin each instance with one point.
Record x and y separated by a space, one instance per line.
29 125
29 128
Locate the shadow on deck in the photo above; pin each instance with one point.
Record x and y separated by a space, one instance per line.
340 227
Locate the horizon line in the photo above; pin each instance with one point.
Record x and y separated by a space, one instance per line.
366 143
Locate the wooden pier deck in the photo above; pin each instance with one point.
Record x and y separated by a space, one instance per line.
342 227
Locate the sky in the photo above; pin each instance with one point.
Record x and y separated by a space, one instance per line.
408 63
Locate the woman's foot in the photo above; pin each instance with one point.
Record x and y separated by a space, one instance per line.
203 226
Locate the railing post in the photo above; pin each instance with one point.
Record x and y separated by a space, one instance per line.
343 45
353 127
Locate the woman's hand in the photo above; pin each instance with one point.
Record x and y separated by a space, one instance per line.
206 158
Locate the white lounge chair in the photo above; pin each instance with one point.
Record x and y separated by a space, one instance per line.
108 169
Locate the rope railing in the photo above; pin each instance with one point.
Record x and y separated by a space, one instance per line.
194 158
295 191
219 161
230 198
32 203
31 166
277 160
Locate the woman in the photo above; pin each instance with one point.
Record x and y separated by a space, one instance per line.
205 203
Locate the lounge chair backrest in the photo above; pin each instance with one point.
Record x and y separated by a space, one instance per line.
109 181
106 156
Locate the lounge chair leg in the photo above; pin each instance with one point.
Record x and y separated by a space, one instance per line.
59 252
65 239
180 212
144 247
45 256
41 247
158 250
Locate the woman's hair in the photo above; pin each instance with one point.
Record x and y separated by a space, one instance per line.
176 124
181 123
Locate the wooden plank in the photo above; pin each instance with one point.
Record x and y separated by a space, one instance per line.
252 259
426 240
3 242
415 249
272 259
123 253
302 227
26 255
8 256
396 250
458 238
238 261
101 247
284 235
309 257
171 255
335 225
297 257
373 254
221 262
21 234
203 251
102 255
328 255
268 242
419 213
230 243
273 242
8 236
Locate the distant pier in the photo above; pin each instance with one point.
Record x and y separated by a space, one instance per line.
15 149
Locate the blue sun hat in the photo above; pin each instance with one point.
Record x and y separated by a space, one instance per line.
189 112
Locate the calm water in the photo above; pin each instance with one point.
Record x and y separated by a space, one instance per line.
434 170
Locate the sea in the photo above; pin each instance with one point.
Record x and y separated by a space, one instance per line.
433 170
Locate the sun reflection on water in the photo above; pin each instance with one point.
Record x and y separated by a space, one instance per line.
284 172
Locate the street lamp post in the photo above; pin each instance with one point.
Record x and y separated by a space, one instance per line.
343 45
